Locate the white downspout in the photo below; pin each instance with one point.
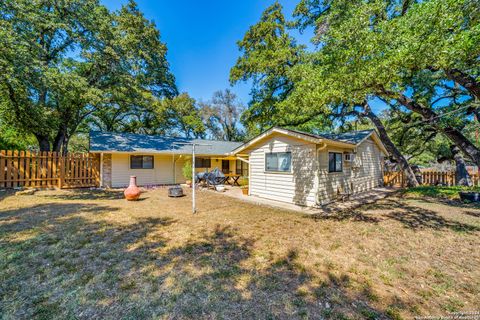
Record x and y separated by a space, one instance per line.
101 170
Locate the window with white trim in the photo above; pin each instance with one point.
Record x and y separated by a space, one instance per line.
278 161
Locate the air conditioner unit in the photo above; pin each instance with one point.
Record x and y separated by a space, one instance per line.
349 157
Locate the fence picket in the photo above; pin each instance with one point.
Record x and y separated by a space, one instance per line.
429 178
47 169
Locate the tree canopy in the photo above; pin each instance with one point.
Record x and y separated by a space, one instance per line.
63 62
420 58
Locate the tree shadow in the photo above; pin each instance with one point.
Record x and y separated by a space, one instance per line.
95 269
349 214
15 220
5 193
410 216
86 194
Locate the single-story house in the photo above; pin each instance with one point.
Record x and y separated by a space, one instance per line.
157 160
281 164
310 169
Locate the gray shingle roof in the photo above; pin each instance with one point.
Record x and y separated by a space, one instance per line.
352 137
129 142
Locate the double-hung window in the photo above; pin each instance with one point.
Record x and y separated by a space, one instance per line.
141 162
278 161
335 162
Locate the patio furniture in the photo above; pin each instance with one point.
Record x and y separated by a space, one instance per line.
232 179
215 177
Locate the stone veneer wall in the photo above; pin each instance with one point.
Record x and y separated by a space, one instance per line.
107 170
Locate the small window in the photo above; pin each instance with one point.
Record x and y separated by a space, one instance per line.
335 163
278 161
202 162
141 162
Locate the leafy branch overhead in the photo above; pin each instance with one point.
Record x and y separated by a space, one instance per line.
419 59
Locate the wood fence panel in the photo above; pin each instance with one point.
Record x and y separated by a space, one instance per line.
429 178
48 169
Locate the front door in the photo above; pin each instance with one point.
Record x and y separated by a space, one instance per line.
226 166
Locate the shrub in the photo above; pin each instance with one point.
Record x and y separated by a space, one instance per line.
187 170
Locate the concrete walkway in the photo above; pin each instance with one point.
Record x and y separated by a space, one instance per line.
355 201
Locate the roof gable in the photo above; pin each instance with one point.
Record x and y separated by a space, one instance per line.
348 139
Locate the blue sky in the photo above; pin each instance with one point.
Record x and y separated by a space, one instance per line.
201 38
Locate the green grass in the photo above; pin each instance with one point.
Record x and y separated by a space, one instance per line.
439 192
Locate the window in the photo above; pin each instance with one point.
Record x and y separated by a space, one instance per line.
141 162
335 162
278 161
202 162
241 168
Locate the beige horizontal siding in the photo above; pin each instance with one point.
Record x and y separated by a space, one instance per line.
310 183
296 187
362 175
163 172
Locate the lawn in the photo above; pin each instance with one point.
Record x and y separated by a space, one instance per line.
90 254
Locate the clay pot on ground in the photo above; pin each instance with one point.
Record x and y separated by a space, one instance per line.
245 191
189 183
132 193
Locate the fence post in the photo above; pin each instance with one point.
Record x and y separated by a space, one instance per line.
61 169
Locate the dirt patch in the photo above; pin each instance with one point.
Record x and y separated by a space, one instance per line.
88 254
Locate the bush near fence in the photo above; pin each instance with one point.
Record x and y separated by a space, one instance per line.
429 178
48 169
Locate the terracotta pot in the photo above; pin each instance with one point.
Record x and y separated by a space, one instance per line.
189 183
132 193
245 191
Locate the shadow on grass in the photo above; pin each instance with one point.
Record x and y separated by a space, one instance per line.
411 216
78 268
87 194
5 193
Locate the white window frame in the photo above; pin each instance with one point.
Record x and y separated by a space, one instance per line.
277 171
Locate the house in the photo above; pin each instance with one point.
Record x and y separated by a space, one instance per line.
282 164
157 160
310 169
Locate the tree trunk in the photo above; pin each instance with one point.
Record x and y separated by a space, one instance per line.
65 145
468 148
391 148
59 140
465 80
462 178
43 142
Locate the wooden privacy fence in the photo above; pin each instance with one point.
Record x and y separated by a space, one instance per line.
429 178
48 169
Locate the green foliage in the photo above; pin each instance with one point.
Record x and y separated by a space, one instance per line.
269 52
10 139
65 62
187 170
383 49
180 115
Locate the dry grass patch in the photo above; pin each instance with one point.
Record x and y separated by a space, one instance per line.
90 254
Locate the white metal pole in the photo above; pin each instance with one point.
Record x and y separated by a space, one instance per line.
193 178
